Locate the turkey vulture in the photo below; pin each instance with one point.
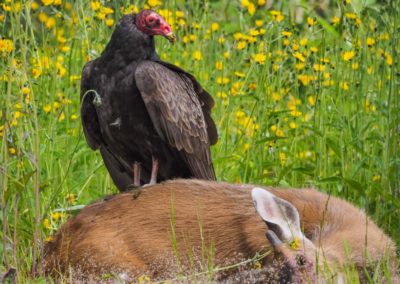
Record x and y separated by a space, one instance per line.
139 110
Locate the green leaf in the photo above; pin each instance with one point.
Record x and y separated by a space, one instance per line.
354 184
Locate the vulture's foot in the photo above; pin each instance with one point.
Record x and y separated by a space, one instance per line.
154 171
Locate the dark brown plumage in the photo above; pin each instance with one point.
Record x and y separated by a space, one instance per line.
135 107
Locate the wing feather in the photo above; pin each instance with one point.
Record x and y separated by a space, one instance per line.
90 122
177 114
205 98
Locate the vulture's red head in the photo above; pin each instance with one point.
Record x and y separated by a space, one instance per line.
151 23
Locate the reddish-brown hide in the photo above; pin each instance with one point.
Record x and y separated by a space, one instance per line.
128 234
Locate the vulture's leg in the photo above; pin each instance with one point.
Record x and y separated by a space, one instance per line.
154 171
136 174
136 180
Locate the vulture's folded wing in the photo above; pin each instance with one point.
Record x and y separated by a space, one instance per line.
177 115
90 122
204 97
92 130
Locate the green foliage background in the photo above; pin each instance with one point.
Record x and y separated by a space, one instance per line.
306 94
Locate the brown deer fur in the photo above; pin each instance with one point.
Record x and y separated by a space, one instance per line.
128 234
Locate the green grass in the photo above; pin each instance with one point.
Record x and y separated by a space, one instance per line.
279 124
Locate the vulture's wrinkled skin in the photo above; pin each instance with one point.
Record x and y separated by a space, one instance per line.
135 106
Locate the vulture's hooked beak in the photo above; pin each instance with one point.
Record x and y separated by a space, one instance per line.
171 37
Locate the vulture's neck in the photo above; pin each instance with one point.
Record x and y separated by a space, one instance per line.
123 50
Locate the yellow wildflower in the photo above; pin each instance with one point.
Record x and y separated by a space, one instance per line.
305 79
95 5
68 6
286 34
311 100
319 67
42 17
197 55
34 6
252 86
311 21
245 3
36 72
101 15
351 16
222 80
47 2
49 239
240 74
389 59
295 244
376 178
335 20
299 66
154 3
109 22
56 216
303 41
259 23
251 9
219 65
299 56
107 10
277 16
241 45
259 58
71 199
214 27
61 117
179 14
384 36
50 23
344 85
6 46
370 42
348 55
276 96
47 224
47 108
222 95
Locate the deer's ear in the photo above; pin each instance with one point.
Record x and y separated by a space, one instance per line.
281 216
